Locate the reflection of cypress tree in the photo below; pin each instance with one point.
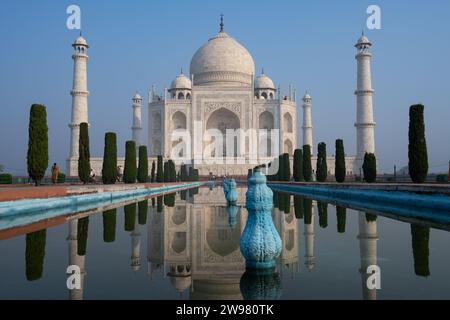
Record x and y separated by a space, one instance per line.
195 191
323 214
287 203
109 225
169 200
341 215
83 228
142 212
130 216
371 217
298 205
183 195
421 251
275 200
159 204
307 205
153 202
34 254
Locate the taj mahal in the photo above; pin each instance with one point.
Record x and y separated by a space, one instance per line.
223 93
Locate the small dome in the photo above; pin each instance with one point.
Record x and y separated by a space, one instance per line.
363 40
264 82
137 96
80 41
181 82
307 96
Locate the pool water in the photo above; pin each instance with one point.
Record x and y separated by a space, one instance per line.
186 246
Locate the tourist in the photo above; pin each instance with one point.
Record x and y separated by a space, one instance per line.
55 173
92 176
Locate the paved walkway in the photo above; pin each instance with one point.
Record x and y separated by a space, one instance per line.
18 192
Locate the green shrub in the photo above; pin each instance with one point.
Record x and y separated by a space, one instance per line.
37 156
322 169
370 168
61 177
153 173
442 178
417 148
160 170
169 200
109 170
340 170
142 175
159 204
130 170
371 217
298 165
307 167
5 178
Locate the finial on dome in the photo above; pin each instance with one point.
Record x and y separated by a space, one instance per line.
262 71
221 23
181 70
362 33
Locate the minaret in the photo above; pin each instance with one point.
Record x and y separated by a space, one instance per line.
75 259
136 247
309 242
368 238
79 93
137 119
307 122
365 125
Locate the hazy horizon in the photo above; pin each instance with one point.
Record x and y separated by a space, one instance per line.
307 44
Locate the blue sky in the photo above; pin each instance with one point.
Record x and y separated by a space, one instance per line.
135 44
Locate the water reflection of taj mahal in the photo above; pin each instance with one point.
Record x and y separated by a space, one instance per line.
194 244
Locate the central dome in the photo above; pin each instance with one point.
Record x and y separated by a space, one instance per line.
222 61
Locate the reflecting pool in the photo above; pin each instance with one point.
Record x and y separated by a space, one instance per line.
186 246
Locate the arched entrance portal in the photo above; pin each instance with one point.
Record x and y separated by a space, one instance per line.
223 120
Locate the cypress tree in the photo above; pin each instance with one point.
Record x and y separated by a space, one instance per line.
160 170
83 228
417 148
287 203
421 251
196 175
298 165
298 206
130 216
37 156
109 225
35 254
323 214
84 165
276 202
340 170
142 175
129 172
370 168
341 216
153 172
287 167
172 171
183 173
166 172
322 169
142 212
109 170
169 200
307 167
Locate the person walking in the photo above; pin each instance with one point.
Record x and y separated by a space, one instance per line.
55 173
